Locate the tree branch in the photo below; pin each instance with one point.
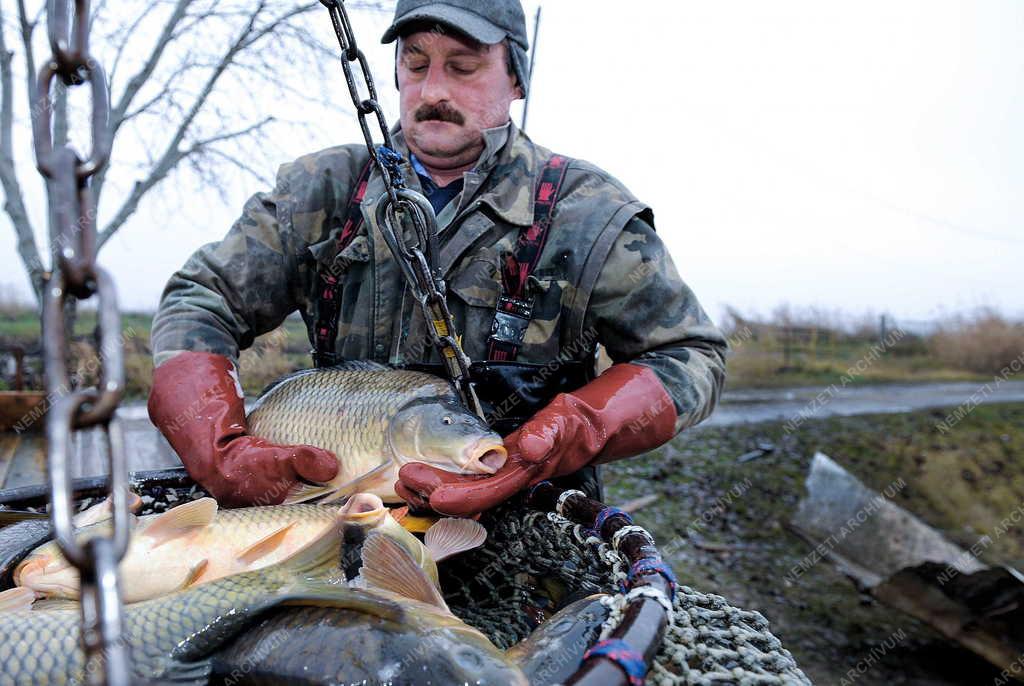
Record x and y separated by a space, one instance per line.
15 203
170 160
174 153
27 29
135 84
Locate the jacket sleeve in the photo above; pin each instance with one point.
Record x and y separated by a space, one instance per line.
642 312
230 292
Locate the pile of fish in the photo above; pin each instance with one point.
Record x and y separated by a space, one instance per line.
238 593
374 419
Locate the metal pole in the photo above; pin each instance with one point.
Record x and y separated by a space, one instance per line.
533 61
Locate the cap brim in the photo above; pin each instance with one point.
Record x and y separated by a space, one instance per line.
463 21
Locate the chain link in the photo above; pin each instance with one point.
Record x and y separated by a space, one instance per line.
77 277
404 213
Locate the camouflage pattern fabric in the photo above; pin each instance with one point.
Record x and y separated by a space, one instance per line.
604 277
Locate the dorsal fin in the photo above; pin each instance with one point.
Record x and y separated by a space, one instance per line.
16 599
451 536
360 366
265 545
182 518
105 510
348 365
387 565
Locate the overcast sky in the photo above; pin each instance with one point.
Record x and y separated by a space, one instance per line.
860 156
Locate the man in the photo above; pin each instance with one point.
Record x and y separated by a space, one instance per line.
597 274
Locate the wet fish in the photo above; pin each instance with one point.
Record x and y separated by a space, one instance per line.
367 513
427 644
190 544
375 419
19 539
353 648
172 638
175 638
554 651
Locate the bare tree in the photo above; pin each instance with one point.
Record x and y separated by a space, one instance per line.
193 85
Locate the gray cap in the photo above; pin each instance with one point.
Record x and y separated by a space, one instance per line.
488 21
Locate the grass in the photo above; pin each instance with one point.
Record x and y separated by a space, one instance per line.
816 348
964 482
786 351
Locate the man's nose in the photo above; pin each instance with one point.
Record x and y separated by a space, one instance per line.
435 85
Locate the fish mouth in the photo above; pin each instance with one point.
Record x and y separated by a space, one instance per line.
486 457
362 508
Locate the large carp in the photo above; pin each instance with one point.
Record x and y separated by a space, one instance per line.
197 542
174 638
374 419
328 646
190 544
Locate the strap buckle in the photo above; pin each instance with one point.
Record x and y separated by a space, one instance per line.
511 318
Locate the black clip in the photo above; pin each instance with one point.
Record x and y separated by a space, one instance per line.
511 318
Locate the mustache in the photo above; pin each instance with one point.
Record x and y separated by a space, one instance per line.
440 112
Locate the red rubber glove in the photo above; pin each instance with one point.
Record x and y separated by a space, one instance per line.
623 412
197 404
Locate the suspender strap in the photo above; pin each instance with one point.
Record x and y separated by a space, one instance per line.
328 305
515 303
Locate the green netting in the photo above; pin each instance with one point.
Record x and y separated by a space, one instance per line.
504 587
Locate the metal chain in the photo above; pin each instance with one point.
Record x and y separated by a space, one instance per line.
78 277
404 213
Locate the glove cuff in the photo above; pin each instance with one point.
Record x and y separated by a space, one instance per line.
633 409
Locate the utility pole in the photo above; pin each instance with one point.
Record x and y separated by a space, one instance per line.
533 61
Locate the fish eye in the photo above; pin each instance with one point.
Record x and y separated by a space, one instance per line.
447 420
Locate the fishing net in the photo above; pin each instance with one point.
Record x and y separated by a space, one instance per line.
531 558
534 563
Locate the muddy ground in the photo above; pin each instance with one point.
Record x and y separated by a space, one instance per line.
724 527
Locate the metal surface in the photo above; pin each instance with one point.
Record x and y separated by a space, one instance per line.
533 62
78 277
404 213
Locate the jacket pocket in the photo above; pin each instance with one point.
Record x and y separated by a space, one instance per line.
475 291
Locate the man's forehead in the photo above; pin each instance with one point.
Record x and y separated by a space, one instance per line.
441 41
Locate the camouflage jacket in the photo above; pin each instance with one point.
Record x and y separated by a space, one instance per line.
604 276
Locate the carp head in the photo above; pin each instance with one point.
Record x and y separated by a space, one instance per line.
445 435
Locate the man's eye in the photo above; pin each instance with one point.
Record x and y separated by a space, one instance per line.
463 69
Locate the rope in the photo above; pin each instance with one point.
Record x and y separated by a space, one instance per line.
496 588
618 651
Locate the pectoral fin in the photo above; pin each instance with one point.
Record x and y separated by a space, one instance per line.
194 573
55 605
181 519
104 511
265 545
359 484
452 536
16 600
303 493
389 566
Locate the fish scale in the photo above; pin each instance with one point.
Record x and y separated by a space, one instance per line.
219 543
166 635
306 410
350 410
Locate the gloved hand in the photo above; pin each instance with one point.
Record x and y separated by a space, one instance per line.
623 412
197 404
